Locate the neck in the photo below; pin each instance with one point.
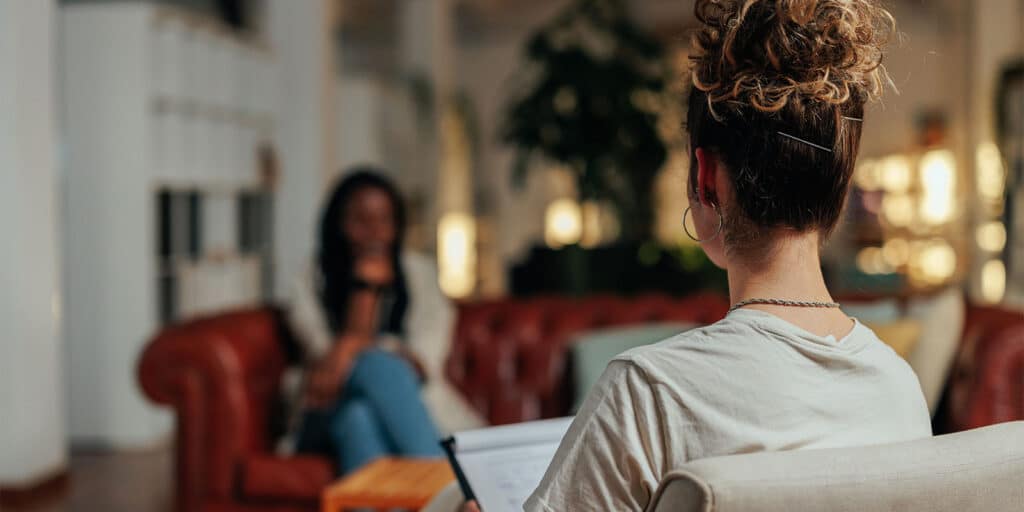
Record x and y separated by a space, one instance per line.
791 270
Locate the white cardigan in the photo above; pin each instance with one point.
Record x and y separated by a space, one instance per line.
429 322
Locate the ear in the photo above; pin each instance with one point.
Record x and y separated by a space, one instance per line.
707 177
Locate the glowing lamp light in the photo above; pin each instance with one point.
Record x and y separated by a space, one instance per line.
938 184
990 174
898 209
456 254
991 236
896 252
867 175
866 260
894 174
993 281
933 263
870 260
563 223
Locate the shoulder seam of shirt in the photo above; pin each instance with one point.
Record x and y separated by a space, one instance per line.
690 334
636 355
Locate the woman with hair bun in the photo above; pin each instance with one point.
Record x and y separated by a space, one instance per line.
775 118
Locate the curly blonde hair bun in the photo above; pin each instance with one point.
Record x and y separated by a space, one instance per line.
767 54
779 88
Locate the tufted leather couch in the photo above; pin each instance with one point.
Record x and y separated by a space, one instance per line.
220 374
509 357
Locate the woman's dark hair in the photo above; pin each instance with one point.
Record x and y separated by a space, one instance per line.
335 260
778 94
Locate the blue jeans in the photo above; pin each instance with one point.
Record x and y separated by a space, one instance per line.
378 413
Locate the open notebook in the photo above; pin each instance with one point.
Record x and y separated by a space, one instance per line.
501 466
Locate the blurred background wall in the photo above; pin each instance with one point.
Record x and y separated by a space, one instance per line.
32 399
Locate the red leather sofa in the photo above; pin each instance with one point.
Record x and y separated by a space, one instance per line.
508 357
987 383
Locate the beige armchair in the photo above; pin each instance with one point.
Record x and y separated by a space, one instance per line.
977 470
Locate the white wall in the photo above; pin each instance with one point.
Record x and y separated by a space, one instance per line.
32 438
486 72
303 46
926 65
489 72
360 101
108 220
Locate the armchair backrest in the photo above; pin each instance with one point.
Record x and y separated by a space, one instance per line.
981 469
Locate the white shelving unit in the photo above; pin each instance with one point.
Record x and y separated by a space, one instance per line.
163 115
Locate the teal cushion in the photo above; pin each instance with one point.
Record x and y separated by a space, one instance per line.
592 351
880 311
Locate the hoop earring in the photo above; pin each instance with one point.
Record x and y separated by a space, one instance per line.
721 224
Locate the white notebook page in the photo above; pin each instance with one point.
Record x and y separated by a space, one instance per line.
505 464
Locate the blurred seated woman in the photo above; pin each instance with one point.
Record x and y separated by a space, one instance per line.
375 331
774 120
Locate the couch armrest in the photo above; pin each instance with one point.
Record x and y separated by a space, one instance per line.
217 374
286 479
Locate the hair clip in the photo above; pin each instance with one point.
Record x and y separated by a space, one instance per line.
857 119
809 143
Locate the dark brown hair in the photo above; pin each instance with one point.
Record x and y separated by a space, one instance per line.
336 261
769 72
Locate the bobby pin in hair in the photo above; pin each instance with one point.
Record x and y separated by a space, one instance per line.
857 119
809 143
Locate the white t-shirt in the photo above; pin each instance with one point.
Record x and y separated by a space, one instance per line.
749 383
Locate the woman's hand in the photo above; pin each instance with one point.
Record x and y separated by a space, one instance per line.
470 506
375 269
330 372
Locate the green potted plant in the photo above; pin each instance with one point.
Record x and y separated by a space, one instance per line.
593 108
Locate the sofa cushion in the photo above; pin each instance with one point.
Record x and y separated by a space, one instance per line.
873 311
285 479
